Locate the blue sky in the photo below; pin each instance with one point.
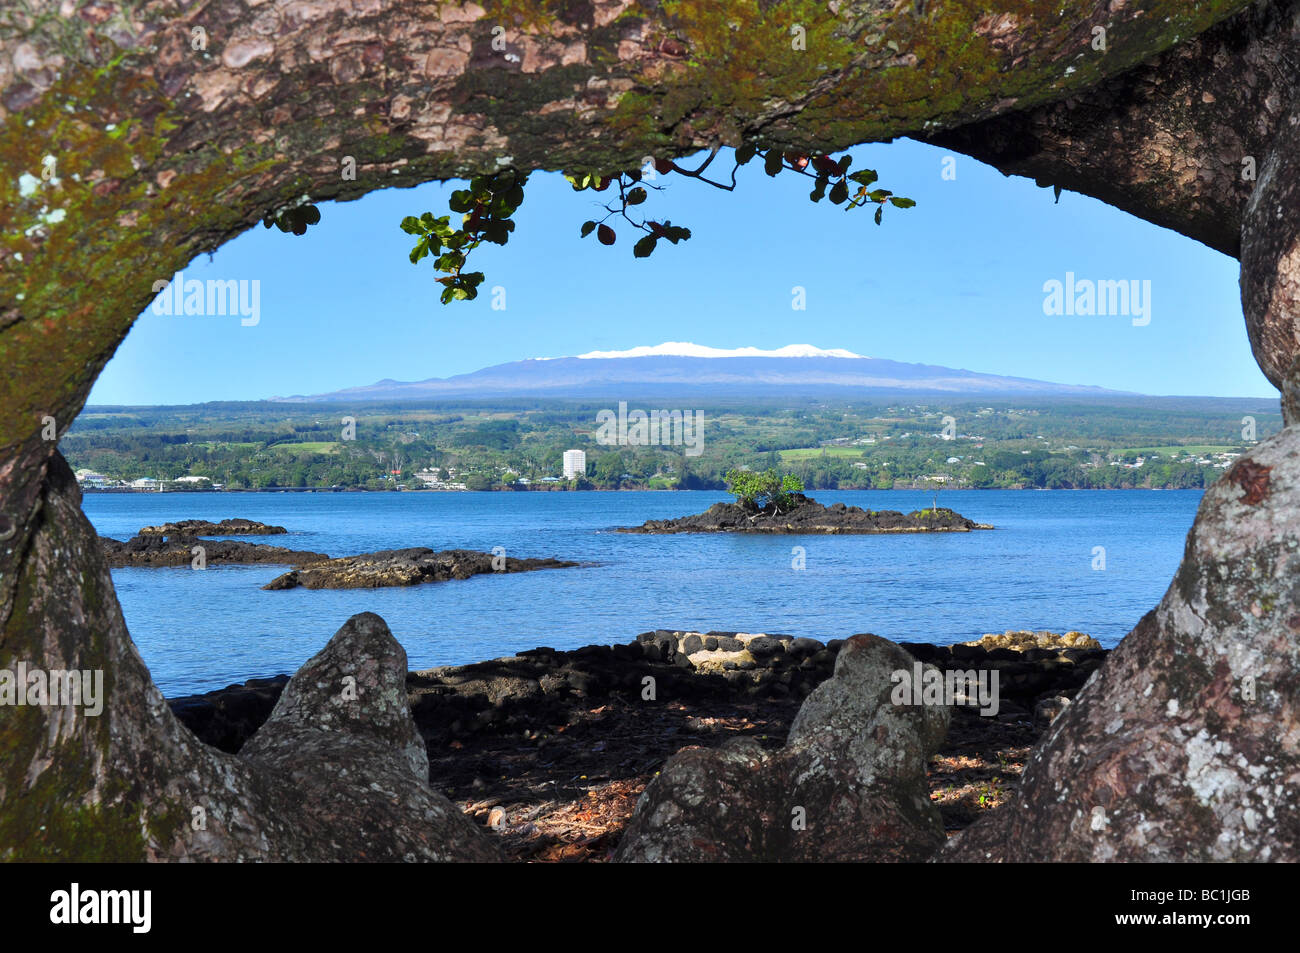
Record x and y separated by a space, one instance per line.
956 281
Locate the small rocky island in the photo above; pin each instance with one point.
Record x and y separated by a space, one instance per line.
157 551
176 544
230 527
802 514
405 567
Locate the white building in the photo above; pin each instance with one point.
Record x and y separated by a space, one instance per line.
575 464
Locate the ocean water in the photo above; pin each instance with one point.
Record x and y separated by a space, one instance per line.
200 630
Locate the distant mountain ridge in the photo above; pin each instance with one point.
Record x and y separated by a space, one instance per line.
682 367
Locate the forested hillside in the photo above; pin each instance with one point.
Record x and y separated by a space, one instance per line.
1164 443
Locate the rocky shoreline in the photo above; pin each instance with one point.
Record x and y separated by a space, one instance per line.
550 750
806 515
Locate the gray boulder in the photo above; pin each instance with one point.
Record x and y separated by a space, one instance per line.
848 785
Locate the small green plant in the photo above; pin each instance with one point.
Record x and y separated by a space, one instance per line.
759 491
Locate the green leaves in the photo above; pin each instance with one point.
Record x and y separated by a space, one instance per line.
485 207
461 287
462 200
830 174
491 200
295 219
630 195
758 491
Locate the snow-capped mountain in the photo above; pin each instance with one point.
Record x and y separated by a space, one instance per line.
685 368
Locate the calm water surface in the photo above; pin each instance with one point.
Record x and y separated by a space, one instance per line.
200 630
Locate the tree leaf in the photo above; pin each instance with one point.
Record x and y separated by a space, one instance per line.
879 214
772 162
587 229
644 247
605 235
899 202
636 196
839 192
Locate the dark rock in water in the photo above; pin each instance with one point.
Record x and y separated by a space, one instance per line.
178 550
405 567
849 784
806 515
230 527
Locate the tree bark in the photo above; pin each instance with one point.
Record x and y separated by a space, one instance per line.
1179 141
134 137
1185 745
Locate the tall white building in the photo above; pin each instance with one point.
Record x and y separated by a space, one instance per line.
575 464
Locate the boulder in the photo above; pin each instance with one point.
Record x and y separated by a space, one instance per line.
343 735
848 785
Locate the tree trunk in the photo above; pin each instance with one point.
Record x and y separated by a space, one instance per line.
135 137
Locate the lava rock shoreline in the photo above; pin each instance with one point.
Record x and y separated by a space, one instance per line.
809 516
550 751
1038 674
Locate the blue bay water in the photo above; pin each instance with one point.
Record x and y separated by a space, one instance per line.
199 630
